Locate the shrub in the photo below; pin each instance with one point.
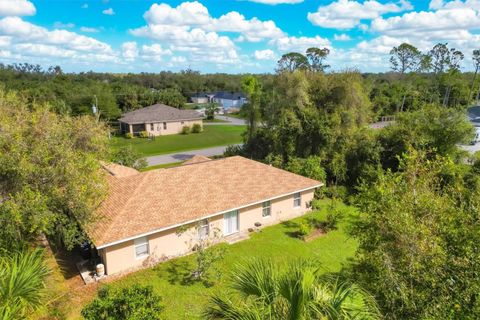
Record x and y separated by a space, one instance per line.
185 130
196 128
134 302
304 229
143 134
129 135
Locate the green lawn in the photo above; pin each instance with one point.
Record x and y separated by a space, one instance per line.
162 166
212 136
187 300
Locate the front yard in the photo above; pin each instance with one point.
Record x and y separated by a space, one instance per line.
212 136
186 300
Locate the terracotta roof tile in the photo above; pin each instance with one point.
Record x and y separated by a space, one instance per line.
196 159
157 199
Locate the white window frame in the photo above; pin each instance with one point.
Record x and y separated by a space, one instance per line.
266 207
203 225
297 197
143 241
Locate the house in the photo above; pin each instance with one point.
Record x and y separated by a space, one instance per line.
158 119
224 99
138 222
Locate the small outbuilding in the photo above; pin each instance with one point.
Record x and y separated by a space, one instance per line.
158 119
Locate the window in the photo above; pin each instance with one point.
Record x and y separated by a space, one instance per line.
141 247
183 122
152 127
297 200
164 126
203 229
266 209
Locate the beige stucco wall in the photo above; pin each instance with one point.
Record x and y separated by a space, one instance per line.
168 244
174 127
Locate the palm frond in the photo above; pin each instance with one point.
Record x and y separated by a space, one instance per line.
22 281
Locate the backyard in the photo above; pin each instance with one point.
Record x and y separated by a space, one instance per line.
184 299
211 136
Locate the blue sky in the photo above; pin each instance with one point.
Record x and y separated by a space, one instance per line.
227 35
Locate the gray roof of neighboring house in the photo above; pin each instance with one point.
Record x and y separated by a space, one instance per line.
158 113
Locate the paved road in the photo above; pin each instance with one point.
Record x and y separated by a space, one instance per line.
232 121
182 156
471 148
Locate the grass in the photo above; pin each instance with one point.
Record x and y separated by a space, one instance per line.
211 136
162 166
186 300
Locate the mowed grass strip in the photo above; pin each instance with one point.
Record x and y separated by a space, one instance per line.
186 300
211 136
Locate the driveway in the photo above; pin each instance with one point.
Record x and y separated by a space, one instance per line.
182 156
471 148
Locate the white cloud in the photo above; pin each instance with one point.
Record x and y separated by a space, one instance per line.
26 40
300 44
129 50
178 59
274 2
435 4
89 29
60 25
341 37
266 54
109 11
195 15
346 14
441 24
16 8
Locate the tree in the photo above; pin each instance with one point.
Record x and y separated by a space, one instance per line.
252 88
405 58
201 240
134 302
476 66
440 55
127 156
433 128
316 57
292 61
50 177
210 110
22 277
418 234
296 291
172 97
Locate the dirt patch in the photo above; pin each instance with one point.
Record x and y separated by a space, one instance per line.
317 233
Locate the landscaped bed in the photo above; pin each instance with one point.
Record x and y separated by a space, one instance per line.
186 299
211 136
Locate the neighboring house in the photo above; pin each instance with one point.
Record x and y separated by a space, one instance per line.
158 119
139 221
224 99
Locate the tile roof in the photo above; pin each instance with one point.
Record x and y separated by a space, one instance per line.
158 199
119 171
158 113
196 159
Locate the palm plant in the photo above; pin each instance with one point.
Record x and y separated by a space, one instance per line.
300 292
22 276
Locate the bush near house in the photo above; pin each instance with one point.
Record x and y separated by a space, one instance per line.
196 128
185 130
129 135
134 302
143 134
